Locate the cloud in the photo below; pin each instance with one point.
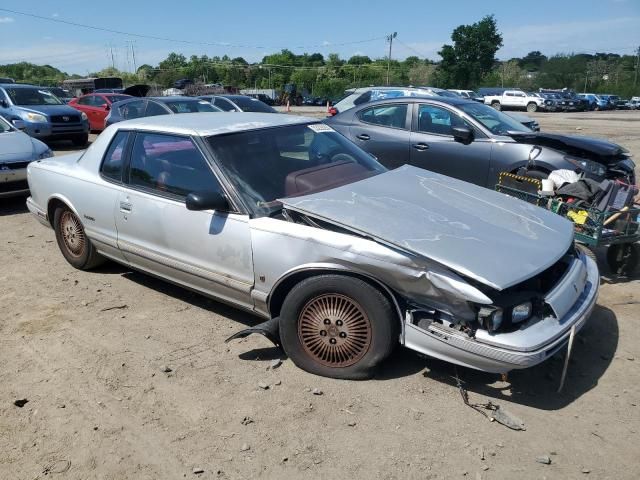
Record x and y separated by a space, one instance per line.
55 15
7 20
568 37
65 56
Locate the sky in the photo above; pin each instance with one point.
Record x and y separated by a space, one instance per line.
253 29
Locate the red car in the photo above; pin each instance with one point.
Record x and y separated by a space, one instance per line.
96 106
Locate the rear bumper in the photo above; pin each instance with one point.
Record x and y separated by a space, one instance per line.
455 347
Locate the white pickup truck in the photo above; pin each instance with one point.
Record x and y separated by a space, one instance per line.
514 100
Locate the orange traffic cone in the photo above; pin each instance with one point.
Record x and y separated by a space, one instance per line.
288 106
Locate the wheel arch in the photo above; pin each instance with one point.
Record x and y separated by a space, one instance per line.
56 201
290 279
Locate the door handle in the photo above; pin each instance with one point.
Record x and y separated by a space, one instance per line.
363 136
125 207
421 146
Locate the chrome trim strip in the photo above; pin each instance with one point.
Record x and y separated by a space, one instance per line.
227 281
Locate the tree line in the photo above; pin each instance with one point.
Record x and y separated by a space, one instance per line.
469 62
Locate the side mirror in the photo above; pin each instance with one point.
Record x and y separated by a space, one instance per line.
4 103
106 107
206 201
462 134
19 124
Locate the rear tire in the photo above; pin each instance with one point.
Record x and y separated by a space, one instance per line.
337 326
74 244
80 140
532 107
496 105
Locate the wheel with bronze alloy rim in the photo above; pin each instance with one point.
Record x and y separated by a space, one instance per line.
74 244
338 326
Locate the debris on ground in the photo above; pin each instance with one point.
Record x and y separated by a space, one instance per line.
20 402
316 391
263 385
245 447
117 307
275 363
498 414
351 423
165 369
198 470
247 420
544 459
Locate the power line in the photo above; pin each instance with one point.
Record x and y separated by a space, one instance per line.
189 42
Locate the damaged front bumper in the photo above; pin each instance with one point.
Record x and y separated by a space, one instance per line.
532 344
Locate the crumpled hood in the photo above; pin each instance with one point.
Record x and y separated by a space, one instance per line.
15 147
490 237
607 151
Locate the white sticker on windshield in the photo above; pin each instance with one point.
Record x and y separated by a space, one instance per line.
320 128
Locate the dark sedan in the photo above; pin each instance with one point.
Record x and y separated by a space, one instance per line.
238 103
471 141
151 106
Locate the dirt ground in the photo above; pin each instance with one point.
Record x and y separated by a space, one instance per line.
88 351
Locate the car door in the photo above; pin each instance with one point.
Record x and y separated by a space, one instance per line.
383 131
86 104
208 251
434 148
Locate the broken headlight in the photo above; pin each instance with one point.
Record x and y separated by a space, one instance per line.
521 312
490 318
588 166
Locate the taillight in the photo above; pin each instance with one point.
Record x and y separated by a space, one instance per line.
333 111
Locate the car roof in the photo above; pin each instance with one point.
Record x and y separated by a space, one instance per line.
213 123
431 98
19 85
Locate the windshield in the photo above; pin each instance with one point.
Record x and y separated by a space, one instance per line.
32 96
249 104
58 92
268 164
181 106
496 122
446 93
117 98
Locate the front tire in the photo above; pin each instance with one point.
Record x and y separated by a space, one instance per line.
74 244
337 326
532 107
496 105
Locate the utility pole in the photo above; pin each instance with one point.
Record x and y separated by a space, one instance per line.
586 77
390 38
113 63
635 78
133 54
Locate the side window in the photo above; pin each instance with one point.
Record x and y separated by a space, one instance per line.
154 109
85 100
113 159
386 115
437 120
98 101
169 164
132 110
224 104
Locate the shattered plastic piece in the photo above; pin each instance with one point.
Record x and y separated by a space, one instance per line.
507 419
269 329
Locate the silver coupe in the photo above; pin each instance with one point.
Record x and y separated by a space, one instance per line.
284 217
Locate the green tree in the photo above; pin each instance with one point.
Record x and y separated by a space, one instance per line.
472 54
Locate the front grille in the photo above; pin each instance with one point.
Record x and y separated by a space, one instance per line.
61 119
13 186
13 165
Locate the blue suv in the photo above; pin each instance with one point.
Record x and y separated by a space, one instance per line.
42 114
595 102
